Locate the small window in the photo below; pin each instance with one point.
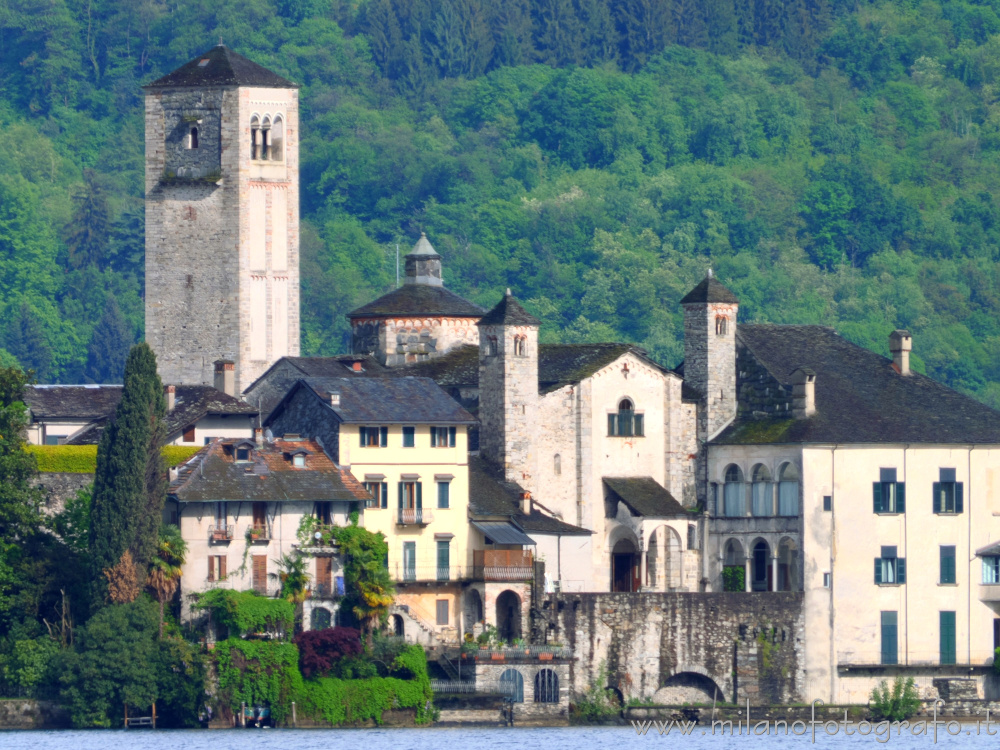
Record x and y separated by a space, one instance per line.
947 567
265 138
721 325
826 580
242 454
380 494
520 346
889 569
443 563
888 495
324 512
827 502
443 437
276 139
189 434
444 490
546 686
557 464
492 346
217 567
299 461
991 569
442 611
255 137
948 494
409 439
193 138
374 437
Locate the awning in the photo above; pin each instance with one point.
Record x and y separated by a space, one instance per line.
989 550
503 532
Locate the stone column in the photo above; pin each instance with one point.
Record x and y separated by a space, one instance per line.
774 573
747 574
642 568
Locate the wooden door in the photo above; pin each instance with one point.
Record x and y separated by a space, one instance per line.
324 576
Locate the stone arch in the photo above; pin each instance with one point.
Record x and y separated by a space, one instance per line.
398 627
689 686
734 559
473 607
761 491
320 619
733 492
255 136
624 560
512 684
509 615
761 570
788 489
277 139
546 686
788 565
664 559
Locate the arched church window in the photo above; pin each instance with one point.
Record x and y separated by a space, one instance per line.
520 346
277 139
721 325
193 138
625 423
265 138
492 346
255 137
734 495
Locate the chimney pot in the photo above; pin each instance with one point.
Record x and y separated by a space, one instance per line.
803 393
258 435
900 344
171 393
356 366
526 503
225 376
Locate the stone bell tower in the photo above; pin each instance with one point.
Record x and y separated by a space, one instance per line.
222 218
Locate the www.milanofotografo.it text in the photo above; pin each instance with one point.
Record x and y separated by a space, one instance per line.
881 731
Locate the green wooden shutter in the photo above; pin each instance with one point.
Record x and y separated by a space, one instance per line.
363 432
611 425
959 499
400 485
420 495
937 497
900 570
878 570
890 641
901 497
443 494
434 433
638 425
877 497
451 437
947 553
383 440
384 489
947 631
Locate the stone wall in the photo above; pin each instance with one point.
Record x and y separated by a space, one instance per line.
530 710
27 713
749 645
398 341
60 487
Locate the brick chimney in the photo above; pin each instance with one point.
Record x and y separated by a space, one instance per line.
900 344
225 376
526 503
171 393
803 393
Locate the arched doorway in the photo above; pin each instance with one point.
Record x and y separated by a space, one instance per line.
624 566
512 685
473 608
397 626
320 619
734 567
509 616
688 687
761 569
788 571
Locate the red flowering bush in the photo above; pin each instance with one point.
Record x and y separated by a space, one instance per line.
320 650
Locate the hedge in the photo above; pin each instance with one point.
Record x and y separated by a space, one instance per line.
82 459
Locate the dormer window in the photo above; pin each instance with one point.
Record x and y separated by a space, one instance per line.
243 451
242 454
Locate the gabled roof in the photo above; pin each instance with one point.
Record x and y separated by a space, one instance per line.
96 404
508 312
213 474
709 290
418 299
492 498
644 496
558 364
380 401
860 396
220 66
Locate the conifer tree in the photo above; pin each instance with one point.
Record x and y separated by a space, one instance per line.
130 481
90 226
109 345
25 339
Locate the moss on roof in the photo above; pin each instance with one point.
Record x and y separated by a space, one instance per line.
761 431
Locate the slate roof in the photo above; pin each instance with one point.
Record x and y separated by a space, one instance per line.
423 248
331 367
386 400
96 404
860 397
508 312
83 402
418 299
709 290
224 68
558 364
644 496
490 497
213 474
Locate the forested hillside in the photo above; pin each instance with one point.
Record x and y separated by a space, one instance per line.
833 161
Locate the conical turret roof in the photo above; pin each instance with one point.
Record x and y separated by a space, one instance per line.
423 248
220 66
710 290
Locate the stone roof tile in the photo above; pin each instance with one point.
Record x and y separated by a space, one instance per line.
220 66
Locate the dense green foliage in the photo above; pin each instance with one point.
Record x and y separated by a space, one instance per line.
130 481
82 459
247 612
833 161
896 702
733 578
119 658
258 673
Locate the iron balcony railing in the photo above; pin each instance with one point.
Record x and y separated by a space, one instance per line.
260 531
502 565
442 687
414 516
220 533
403 572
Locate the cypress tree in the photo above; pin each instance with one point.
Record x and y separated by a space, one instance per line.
130 481
109 345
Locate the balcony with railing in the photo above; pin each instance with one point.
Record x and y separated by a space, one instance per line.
260 531
429 573
414 517
502 565
220 533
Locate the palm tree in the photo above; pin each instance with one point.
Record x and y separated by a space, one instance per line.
294 582
165 567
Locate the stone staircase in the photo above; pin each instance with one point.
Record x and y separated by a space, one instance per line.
416 629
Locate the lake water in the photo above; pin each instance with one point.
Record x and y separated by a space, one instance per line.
568 738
